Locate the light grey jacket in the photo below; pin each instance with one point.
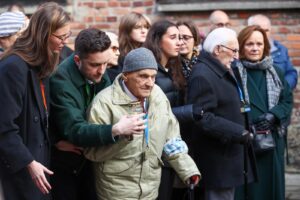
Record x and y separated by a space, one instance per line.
131 169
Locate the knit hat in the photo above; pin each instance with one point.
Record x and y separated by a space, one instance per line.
137 59
11 23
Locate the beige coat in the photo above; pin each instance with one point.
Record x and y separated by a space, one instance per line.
129 169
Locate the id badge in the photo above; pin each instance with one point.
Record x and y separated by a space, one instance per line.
245 107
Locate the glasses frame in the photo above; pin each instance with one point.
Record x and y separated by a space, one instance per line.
186 37
64 36
235 51
219 25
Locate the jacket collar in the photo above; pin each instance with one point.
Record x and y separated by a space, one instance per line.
213 63
78 79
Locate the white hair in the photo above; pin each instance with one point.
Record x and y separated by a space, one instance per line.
219 36
112 36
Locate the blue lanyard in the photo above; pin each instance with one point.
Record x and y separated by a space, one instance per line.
146 123
240 94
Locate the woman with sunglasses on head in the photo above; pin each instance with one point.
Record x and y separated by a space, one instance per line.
133 29
271 103
164 41
24 72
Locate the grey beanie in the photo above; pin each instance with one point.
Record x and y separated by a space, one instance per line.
137 59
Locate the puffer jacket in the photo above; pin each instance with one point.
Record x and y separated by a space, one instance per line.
131 169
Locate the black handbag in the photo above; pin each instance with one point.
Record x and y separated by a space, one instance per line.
263 141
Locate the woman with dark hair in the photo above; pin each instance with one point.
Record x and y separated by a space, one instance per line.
24 72
164 41
271 103
133 29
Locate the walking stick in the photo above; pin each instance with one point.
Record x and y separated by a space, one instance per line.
191 192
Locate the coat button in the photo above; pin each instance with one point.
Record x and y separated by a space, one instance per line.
36 119
74 171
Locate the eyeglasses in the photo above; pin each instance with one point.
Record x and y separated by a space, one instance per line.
235 51
63 37
185 37
219 25
115 49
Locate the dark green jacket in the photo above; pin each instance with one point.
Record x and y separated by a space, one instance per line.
69 104
270 164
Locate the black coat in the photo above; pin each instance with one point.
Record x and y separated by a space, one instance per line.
218 157
165 82
23 128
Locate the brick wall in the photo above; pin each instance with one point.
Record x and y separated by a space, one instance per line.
105 14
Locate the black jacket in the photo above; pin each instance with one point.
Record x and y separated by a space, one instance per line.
23 128
219 159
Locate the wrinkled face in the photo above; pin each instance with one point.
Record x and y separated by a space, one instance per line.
114 50
139 31
94 65
140 83
254 47
171 42
227 53
188 42
59 38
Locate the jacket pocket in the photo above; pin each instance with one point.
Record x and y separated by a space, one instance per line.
118 166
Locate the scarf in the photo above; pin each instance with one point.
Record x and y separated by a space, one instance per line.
274 84
187 65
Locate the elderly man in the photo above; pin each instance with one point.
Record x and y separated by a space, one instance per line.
73 86
217 19
279 52
131 168
220 134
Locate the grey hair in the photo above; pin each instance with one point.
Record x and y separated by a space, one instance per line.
254 19
219 36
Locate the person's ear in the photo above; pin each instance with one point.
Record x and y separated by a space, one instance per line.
124 77
216 50
77 60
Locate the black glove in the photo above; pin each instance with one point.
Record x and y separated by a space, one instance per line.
245 138
197 112
265 122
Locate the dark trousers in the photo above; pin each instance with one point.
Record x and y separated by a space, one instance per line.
166 184
71 186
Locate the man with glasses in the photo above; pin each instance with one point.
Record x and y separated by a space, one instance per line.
78 79
220 135
217 19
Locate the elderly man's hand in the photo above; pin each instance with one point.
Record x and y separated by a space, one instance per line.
193 181
129 125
